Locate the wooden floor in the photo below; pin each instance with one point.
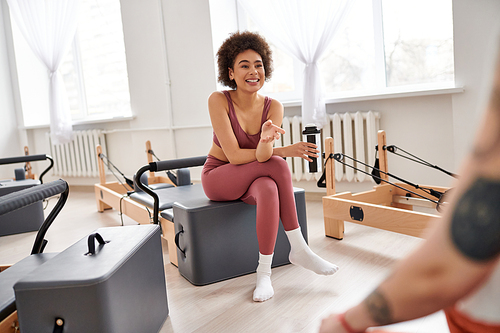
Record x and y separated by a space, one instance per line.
301 299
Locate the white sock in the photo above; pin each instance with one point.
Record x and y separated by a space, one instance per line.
264 289
302 255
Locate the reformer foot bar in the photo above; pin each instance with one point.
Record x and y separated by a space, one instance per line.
386 206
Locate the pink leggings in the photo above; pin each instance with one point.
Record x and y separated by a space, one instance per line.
267 185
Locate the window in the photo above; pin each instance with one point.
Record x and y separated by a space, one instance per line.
418 42
383 45
94 70
286 82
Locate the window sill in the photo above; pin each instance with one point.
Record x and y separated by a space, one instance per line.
388 94
85 122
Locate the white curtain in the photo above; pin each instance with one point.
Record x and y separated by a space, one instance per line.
304 29
49 27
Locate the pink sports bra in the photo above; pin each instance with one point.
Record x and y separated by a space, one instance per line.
245 140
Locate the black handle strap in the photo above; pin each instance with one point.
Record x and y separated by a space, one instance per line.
91 243
177 235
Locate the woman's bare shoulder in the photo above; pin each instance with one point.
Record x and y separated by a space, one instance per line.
216 97
276 107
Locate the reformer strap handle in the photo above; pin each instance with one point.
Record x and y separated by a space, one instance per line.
91 243
177 235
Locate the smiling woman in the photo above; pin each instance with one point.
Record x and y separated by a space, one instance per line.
248 70
241 162
226 58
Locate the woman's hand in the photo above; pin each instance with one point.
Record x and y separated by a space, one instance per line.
306 150
270 132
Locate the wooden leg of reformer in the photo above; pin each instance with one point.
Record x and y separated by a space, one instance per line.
101 206
10 324
334 228
167 227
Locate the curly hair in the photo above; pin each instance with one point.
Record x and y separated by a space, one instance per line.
239 42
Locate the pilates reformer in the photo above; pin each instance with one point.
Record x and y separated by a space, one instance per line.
29 218
10 275
59 291
388 206
25 173
118 195
209 241
146 204
115 194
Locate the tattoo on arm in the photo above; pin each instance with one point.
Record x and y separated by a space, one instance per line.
378 307
475 222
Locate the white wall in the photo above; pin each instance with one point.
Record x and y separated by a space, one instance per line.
476 45
9 135
437 128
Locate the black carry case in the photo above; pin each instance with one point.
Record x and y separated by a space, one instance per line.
117 286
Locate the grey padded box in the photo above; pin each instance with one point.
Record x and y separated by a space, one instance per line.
218 240
10 276
26 219
121 288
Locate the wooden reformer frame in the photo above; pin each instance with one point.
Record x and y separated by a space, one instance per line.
113 195
384 207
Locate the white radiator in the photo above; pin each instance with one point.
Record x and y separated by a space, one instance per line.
78 158
354 134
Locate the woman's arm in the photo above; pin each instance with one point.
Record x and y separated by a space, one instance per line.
301 149
459 254
305 150
435 276
271 131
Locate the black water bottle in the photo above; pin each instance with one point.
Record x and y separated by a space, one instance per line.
312 134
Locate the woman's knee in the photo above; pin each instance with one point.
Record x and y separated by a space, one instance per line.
279 166
265 186
263 190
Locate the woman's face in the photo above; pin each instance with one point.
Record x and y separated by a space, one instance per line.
248 71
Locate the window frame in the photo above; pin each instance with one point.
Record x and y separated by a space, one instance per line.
22 55
380 89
